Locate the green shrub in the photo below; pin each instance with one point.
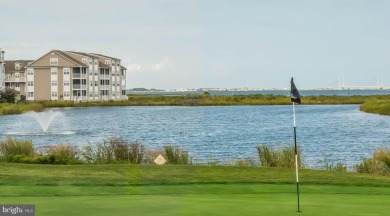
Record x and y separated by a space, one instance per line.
282 157
175 155
63 154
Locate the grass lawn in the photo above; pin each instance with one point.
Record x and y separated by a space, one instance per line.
190 190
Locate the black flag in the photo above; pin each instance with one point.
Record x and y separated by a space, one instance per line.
295 97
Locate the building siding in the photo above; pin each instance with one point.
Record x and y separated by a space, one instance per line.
42 84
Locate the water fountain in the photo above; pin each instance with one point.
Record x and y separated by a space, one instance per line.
46 118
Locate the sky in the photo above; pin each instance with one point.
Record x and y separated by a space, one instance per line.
169 44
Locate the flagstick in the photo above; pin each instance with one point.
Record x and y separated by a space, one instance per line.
296 155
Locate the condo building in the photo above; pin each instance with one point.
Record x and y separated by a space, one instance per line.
68 75
15 75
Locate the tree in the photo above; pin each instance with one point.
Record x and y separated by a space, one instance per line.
8 95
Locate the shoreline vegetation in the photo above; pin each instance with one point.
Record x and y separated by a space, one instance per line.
379 104
120 151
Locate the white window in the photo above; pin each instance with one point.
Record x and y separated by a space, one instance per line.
66 71
66 94
96 62
30 83
53 61
17 75
84 60
30 72
53 83
90 61
66 83
107 62
17 66
54 94
53 71
17 85
30 94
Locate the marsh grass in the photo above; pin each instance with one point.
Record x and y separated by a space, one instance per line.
115 150
331 166
64 154
175 155
378 164
10 146
19 108
378 106
374 103
280 157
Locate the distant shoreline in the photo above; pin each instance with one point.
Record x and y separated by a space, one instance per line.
379 104
304 92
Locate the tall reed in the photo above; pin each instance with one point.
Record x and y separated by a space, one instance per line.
378 164
281 157
176 155
115 150
11 146
64 154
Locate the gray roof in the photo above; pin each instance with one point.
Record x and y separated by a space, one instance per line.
82 53
10 65
70 58
96 54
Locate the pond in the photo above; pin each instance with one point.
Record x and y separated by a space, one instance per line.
340 133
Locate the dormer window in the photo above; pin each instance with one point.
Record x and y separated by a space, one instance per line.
84 60
17 66
107 62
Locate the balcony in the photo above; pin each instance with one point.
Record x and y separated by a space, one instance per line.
78 76
13 79
105 87
104 76
78 86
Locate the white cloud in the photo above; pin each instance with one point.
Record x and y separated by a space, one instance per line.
134 67
163 66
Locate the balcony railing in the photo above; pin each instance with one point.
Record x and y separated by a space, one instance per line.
105 87
13 79
78 86
78 76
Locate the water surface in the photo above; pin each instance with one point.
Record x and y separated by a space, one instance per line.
340 133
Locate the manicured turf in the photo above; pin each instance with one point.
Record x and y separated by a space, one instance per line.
190 190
